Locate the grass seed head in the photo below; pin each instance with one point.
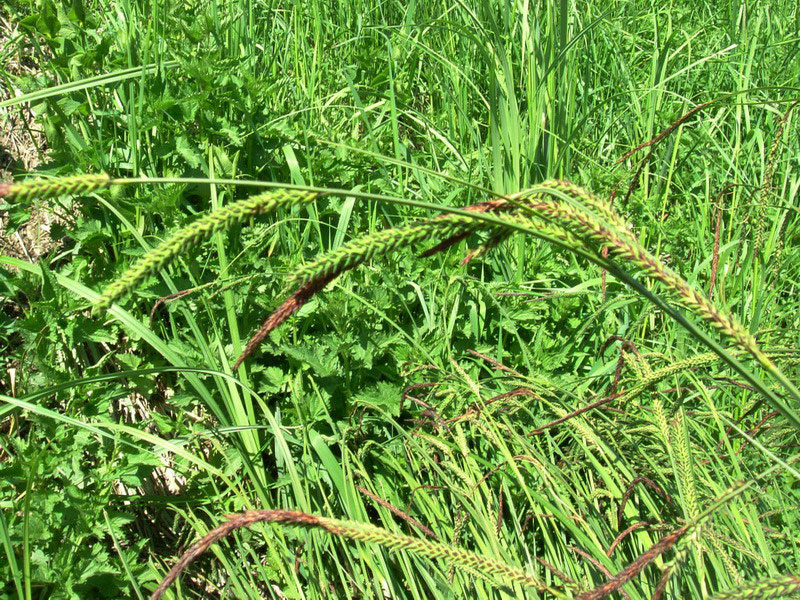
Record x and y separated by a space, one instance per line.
42 189
197 232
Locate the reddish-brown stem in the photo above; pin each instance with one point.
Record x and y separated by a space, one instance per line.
597 564
499 523
566 579
672 127
234 522
164 299
623 535
616 582
575 413
476 408
715 255
397 512
662 584
649 483
292 304
498 365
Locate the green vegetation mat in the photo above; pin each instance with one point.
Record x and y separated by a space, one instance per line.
399 300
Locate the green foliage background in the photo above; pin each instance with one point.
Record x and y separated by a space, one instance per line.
385 97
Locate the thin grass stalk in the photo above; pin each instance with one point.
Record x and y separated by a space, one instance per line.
662 583
624 534
766 185
397 512
604 250
562 576
669 129
629 492
715 251
599 566
725 557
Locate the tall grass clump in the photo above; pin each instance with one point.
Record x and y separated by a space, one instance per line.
568 215
578 219
399 300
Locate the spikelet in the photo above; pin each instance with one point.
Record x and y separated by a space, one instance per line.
488 567
458 527
485 248
585 198
195 233
661 422
624 245
362 249
781 586
683 464
41 189
283 312
725 557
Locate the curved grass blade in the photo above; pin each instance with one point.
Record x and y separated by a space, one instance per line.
89 82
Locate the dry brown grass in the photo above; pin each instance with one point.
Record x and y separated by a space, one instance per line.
22 147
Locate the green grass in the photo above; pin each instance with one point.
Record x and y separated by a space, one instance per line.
452 393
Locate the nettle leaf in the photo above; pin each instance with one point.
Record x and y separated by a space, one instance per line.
90 235
166 425
183 399
318 360
98 570
48 23
230 131
188 151
274 379
138 469
84 329
188 351
385 395
40 560
363 354
145 384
